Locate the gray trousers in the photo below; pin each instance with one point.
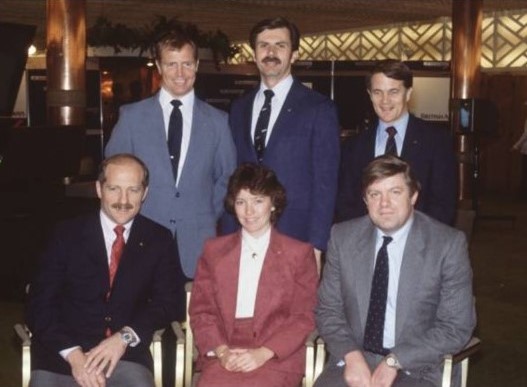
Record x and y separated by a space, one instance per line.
126 374
333 376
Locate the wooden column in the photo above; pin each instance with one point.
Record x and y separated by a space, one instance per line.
66 62
466 56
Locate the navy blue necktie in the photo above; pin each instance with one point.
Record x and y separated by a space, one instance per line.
374 332
260 131
391 146
175 130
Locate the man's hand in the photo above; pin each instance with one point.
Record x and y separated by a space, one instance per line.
246 360
77 360
106 355
356 373
383 376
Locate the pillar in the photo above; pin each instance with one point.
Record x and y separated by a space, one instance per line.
66 62
467 16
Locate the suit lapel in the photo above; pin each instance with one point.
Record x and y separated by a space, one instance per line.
247 112
199 129
286 115
94 245
227 276
411 140
132 252
364 268
267 296
411 268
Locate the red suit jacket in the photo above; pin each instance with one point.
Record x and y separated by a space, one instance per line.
285 301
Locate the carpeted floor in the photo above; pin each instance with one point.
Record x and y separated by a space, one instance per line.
499 259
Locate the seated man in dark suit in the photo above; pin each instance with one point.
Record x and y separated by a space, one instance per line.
105 283
396 295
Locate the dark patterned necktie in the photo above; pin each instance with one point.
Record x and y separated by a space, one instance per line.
391 146
374 332
260 132
175 130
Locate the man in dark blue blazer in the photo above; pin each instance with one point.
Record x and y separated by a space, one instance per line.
92 327
300 139
428 148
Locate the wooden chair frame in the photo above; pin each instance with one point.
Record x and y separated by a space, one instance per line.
186 354
24 335
449 360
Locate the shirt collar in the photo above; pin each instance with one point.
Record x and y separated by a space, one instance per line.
400 234
280 89
165 98
399 124
108 225
261 241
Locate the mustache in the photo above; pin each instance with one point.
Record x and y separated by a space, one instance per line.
122 206
268 59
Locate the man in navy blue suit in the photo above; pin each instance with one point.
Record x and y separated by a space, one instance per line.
291 129
428 148
106 281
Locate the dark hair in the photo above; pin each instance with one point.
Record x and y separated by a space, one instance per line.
259 180
387 166
174 40
120 159
272 24
392 69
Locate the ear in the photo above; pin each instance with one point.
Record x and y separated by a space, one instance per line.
144 195
294 56
197 65
408 94
158 66
414 197
98 188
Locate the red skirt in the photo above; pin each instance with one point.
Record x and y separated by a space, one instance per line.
214 375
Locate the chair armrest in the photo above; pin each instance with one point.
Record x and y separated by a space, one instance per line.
23 334
320 358
25 337
157 356
471 348
462 356
310 359
179 370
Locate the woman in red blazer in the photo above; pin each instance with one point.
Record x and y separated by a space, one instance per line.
254 292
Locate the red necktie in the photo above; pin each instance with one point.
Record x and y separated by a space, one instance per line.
115 257
117 251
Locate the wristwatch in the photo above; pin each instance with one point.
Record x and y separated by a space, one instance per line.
391 361
128 337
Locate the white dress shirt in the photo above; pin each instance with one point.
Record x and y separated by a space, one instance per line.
186 108
280 94
395 258
251 262
381 138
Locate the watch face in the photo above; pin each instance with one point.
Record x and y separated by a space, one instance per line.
127 337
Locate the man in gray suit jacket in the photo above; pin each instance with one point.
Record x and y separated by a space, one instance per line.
186 188
390 320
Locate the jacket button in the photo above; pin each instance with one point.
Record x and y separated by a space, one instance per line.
172 221
177 194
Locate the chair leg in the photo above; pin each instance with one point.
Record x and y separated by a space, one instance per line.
447 371
155 349
25 337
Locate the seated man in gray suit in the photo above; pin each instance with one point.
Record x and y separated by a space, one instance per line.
396 293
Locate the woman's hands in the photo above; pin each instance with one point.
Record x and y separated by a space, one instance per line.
242 359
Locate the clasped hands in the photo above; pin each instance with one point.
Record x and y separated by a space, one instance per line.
242 359
357 372
91 369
